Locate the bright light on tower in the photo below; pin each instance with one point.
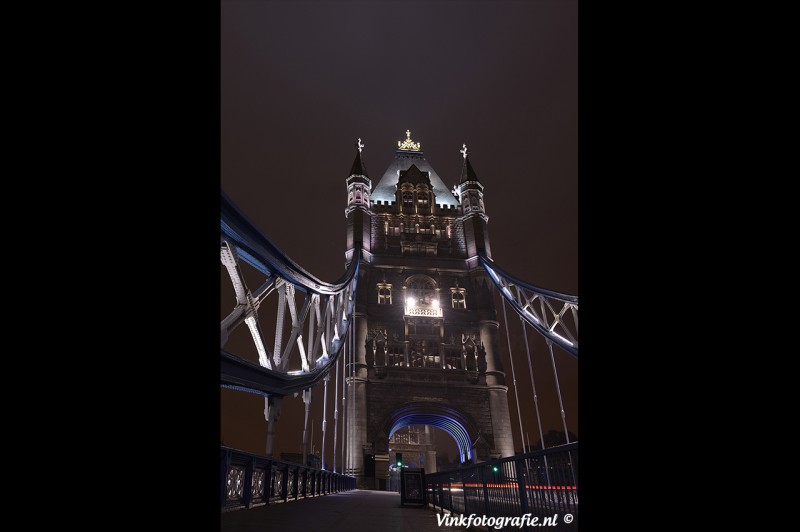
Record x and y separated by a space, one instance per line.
410 301
435 303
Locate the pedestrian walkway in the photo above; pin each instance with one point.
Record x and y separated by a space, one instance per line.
351 511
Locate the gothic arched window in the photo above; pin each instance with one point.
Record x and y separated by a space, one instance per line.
421 289
384 294
459 298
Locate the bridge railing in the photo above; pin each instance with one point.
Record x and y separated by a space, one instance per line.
250 480
540 483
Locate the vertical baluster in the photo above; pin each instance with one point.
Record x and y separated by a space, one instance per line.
247 494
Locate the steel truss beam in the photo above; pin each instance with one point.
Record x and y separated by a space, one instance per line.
326 307
552 314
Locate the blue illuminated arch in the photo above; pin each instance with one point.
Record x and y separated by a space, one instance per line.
447 419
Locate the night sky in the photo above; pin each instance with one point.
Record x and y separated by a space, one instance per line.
301 81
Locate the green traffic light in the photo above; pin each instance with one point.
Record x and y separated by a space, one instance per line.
495 469
399 464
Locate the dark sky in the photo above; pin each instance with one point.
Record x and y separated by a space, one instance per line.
302 80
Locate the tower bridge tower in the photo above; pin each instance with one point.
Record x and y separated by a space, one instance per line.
425 321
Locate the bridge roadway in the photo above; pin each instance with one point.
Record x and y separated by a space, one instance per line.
351 511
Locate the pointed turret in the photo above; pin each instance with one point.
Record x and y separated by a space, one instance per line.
359 185
357 212
470 192
470 189
358 164
467 172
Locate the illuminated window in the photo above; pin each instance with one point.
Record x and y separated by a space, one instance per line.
408 199
384 294
459 298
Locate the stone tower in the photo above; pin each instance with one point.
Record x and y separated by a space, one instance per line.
425 321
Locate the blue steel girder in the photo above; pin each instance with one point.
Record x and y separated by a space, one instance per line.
554 315
329 305
258 251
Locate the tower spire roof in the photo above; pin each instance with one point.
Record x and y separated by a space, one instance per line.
467 172
358 164
410 153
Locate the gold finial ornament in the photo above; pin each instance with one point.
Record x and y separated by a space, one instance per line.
408 144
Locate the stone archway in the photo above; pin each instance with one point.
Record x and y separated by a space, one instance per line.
460 426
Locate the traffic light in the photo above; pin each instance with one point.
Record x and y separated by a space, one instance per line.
399 459
495 469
